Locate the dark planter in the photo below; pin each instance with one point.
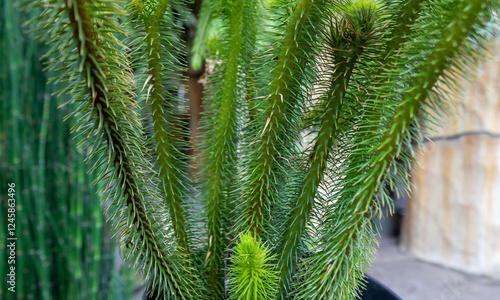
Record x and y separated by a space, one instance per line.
374 291
377 291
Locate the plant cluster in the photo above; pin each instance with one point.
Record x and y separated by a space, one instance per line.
313 109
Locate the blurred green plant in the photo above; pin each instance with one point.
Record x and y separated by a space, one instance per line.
64 249
360 81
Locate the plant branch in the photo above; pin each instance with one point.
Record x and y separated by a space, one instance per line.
163 129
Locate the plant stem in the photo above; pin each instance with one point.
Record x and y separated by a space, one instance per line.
222 142
359 208
277 102
144 237
165 141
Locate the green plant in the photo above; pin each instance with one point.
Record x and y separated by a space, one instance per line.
252 275
64 248
360 80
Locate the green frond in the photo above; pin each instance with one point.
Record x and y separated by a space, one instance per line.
276 130
83 36
346 232
273 115
156 42
225 112
350 33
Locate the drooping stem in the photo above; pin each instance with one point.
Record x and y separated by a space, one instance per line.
109 110
359 207
347 43
164 137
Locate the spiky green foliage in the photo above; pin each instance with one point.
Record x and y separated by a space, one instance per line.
353 35
84 35
252 276
62 237
222 120
289 78
358 80
347 231
156 43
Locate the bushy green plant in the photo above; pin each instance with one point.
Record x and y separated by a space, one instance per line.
313 107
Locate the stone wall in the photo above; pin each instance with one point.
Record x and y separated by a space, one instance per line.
453 216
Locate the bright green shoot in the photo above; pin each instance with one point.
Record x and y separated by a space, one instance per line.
252 275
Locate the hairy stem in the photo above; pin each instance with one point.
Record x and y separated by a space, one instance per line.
347 47
222 147
163 130
277 103
143 242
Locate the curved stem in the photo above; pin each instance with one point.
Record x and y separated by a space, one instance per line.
140 236
163 130
346 242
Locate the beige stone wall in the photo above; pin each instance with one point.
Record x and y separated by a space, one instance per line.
453 217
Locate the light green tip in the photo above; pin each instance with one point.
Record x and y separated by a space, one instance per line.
253 276
358 5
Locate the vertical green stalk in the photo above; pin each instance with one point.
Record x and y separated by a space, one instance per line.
199 48
273 115
222 137
41 207
76 216
317 161
163 129
62 223
19 143
96 251
282 99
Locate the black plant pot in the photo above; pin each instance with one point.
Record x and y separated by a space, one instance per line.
377 291
374 291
